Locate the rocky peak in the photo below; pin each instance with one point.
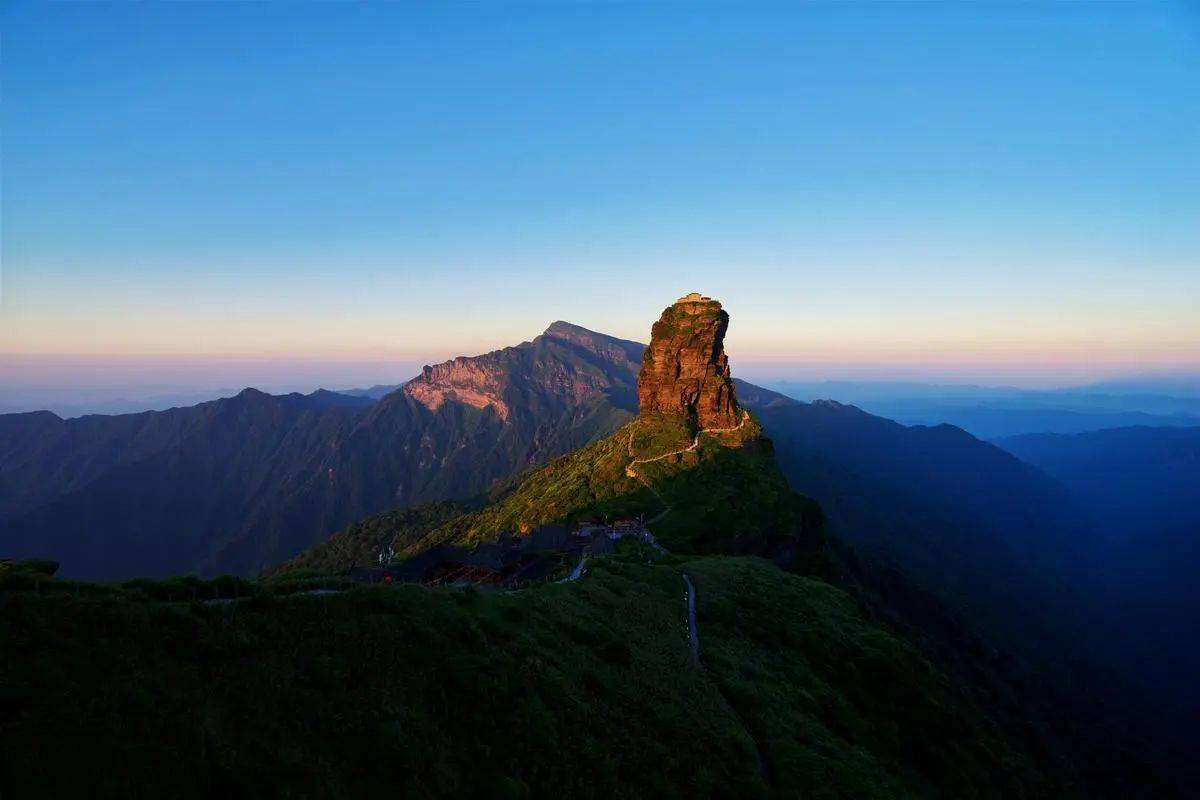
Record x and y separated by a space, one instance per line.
617 352
685 369
570 332
565 366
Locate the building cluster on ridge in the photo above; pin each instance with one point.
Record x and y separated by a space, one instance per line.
508 561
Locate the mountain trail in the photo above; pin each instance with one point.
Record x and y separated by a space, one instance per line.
693 630
631 471
693 633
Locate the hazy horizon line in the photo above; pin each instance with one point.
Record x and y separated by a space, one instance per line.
64 380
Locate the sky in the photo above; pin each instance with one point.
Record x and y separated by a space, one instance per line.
312 194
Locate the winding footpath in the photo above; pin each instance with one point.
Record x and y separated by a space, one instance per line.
694 641
575 573
693 631
631 468
223 601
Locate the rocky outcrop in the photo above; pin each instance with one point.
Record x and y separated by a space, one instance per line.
565 365
476 382
685 369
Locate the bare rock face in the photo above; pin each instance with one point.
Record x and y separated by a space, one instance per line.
567 367
478 382
685 369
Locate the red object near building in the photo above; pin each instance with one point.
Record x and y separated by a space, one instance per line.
387 577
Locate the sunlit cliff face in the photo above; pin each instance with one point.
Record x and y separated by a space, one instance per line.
685 369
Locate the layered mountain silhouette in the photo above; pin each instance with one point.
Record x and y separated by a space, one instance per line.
958 515
836 673
694 465
1139 487
694 462
238 484
241 484
984 531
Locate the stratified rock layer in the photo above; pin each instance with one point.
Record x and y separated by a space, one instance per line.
478 382
685 369
566 365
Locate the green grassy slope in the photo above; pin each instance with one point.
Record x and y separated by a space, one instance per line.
584 689
360 543
842 707
727 495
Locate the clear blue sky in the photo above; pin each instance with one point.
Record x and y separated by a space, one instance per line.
991 191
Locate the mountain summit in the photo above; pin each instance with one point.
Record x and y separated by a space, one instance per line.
693 465
685 369
567 365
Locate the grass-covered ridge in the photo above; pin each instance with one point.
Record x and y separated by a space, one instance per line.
584 689
702 492
360 543
795 658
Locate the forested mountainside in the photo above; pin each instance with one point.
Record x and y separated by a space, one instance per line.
240 484
960 516
1139 487
1094 586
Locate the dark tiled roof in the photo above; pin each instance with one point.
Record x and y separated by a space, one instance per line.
486 555
414 569
548 537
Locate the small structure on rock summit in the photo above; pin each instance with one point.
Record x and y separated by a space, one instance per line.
685 369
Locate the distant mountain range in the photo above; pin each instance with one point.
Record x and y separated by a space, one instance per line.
992 412
239 484
1140 488
120 405
959 515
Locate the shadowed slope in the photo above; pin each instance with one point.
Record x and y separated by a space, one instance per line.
240 484
725 495
586 689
